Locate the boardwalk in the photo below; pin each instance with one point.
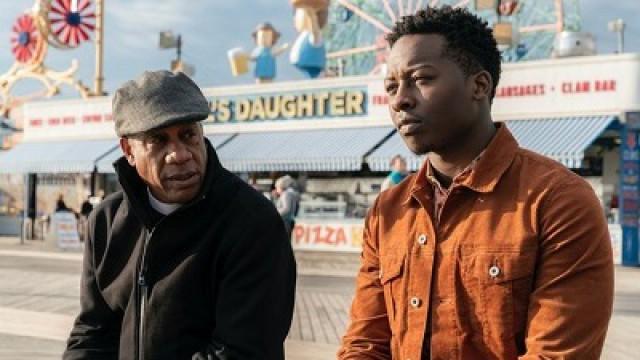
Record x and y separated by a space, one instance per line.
39 297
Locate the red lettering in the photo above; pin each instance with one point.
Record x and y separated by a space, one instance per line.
521 90
317 232
328 238
69 120
298 233
54 121
380 100
35 122
341 238
91 118
584 87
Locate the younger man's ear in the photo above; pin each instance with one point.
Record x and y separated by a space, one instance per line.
482 85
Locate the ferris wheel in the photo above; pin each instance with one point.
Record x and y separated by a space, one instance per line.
525 29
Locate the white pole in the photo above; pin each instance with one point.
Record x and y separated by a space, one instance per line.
99 42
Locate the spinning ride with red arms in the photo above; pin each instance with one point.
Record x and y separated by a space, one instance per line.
26 41
71 22
64 24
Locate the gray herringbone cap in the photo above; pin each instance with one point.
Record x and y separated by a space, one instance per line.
155 100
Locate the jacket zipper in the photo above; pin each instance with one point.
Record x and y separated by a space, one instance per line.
143 288
143 283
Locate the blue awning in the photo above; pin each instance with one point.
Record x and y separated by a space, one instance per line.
55 157
105 165
563 139
304 150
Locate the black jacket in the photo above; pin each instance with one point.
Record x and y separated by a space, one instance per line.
216 277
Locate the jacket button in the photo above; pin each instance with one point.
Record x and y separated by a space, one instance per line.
494 271
422 239
415 302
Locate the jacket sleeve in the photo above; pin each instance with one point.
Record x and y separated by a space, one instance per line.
95 333
368 335
572 299
256 293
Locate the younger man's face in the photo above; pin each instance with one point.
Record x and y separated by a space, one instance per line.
430 97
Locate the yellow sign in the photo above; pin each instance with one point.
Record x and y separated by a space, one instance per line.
335 103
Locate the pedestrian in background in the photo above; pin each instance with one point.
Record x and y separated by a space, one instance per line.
490 251
85 210
287 201
397 174
187 261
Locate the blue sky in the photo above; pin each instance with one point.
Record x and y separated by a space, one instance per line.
210 27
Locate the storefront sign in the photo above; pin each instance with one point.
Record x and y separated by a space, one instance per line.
605 84
534 89
290 105
580 84
327 235
65 230
630 195
69 119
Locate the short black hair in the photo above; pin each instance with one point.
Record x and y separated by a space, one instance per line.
469 39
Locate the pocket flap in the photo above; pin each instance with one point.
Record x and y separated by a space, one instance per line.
501 267
390 268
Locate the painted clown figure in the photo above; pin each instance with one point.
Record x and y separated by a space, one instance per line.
308 53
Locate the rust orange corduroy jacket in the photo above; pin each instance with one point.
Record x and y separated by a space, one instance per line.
519 266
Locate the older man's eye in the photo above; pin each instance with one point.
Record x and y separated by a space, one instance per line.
155 140
189 137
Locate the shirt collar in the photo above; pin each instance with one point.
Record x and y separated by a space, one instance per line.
484 172
161 207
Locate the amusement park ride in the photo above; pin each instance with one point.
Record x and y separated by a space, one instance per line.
352 38
335 38
524 29
63 24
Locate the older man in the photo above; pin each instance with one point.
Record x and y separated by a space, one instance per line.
187 261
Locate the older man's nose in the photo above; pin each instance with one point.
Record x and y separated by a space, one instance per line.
178 154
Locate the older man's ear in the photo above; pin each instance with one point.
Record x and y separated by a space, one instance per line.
126 150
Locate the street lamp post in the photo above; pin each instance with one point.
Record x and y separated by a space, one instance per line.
618 26
170 41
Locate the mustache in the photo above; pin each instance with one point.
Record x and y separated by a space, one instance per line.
181 175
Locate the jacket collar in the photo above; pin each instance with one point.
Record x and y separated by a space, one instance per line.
135 190
485 175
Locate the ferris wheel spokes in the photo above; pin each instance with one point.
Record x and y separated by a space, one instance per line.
389 10
461 4
370 19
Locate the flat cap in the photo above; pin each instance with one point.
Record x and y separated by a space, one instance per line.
155 100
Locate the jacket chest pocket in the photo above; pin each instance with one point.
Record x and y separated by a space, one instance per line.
392 280
498 286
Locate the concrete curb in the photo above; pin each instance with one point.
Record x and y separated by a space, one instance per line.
42 254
